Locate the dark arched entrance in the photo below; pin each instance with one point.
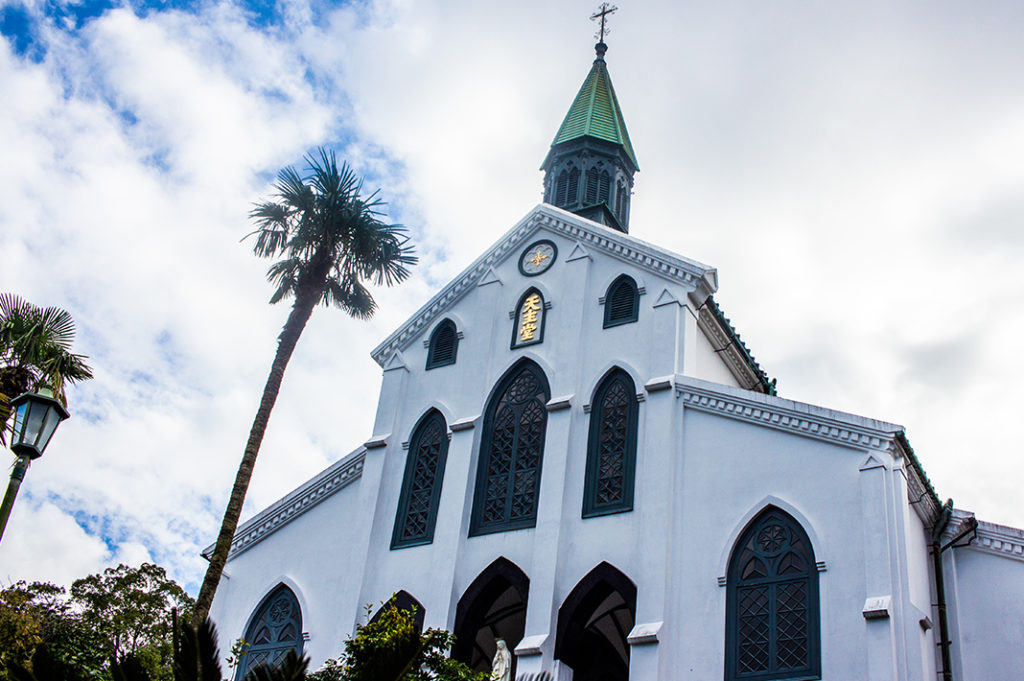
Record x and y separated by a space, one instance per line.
593 624
403 600
494 606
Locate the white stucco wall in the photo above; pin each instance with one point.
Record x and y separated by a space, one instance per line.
985 594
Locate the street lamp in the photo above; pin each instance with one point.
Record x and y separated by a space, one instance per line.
36 417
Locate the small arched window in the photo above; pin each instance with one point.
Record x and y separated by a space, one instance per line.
276 628
508 472
772 620
574 186
591 198
444 343
611 447
421 486
621 302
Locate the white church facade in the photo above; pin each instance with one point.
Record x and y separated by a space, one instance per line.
574 451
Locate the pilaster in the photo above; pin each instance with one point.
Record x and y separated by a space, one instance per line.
882 658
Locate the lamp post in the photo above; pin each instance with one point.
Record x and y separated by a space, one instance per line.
36 417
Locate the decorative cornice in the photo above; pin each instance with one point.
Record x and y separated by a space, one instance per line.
591 235
335 478
786 415
727 347
998 540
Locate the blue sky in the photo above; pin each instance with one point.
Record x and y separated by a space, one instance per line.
851 169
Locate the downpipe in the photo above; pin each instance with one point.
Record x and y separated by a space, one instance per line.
971 526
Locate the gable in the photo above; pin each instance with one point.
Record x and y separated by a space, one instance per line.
588 239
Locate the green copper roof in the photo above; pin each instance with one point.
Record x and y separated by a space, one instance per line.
595 113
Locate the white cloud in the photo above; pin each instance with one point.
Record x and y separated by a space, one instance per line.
851 169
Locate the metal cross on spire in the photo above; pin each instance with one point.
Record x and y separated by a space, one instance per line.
606 9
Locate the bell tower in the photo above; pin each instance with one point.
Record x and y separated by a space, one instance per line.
589 169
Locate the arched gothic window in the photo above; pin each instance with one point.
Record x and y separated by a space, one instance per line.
421 486
772 620
591 186
621 302
275 628
443 345
611 447
574 186
508 472
561 188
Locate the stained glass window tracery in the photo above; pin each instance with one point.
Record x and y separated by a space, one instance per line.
508 476
772 618
421 486
275 629
611 447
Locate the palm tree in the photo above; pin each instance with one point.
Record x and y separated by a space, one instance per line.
35 352
329 240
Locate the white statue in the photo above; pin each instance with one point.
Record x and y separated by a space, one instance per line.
501 666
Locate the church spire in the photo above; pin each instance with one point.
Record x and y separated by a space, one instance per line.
589 169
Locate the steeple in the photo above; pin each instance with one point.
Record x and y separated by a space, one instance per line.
589 169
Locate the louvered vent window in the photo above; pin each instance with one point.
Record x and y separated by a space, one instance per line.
622 302
591 186
772 620
444 342
421 487
561 188
574 186
620 201
604 187
611 448
508 475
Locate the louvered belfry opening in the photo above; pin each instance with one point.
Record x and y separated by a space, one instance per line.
622 302
443 345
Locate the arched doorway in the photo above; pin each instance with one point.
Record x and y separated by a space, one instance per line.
494 606
593 624
275 628
403 600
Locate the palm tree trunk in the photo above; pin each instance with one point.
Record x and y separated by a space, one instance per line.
301 311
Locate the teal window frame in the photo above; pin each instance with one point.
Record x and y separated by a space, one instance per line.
600 435
418 459
771 539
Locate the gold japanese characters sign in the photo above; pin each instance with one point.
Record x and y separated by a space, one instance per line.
529 319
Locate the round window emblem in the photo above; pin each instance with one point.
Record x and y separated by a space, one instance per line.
537 258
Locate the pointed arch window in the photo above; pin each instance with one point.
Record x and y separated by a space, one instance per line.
421 486
443 345
275 628
772 626
611 447
621 302
508 472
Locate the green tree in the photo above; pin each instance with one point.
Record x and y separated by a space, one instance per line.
328 240
392 648
35 352
132 609
39 624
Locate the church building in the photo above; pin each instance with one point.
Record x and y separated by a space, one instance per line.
574 451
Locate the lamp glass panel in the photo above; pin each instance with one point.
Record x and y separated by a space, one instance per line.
50 421
32 422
